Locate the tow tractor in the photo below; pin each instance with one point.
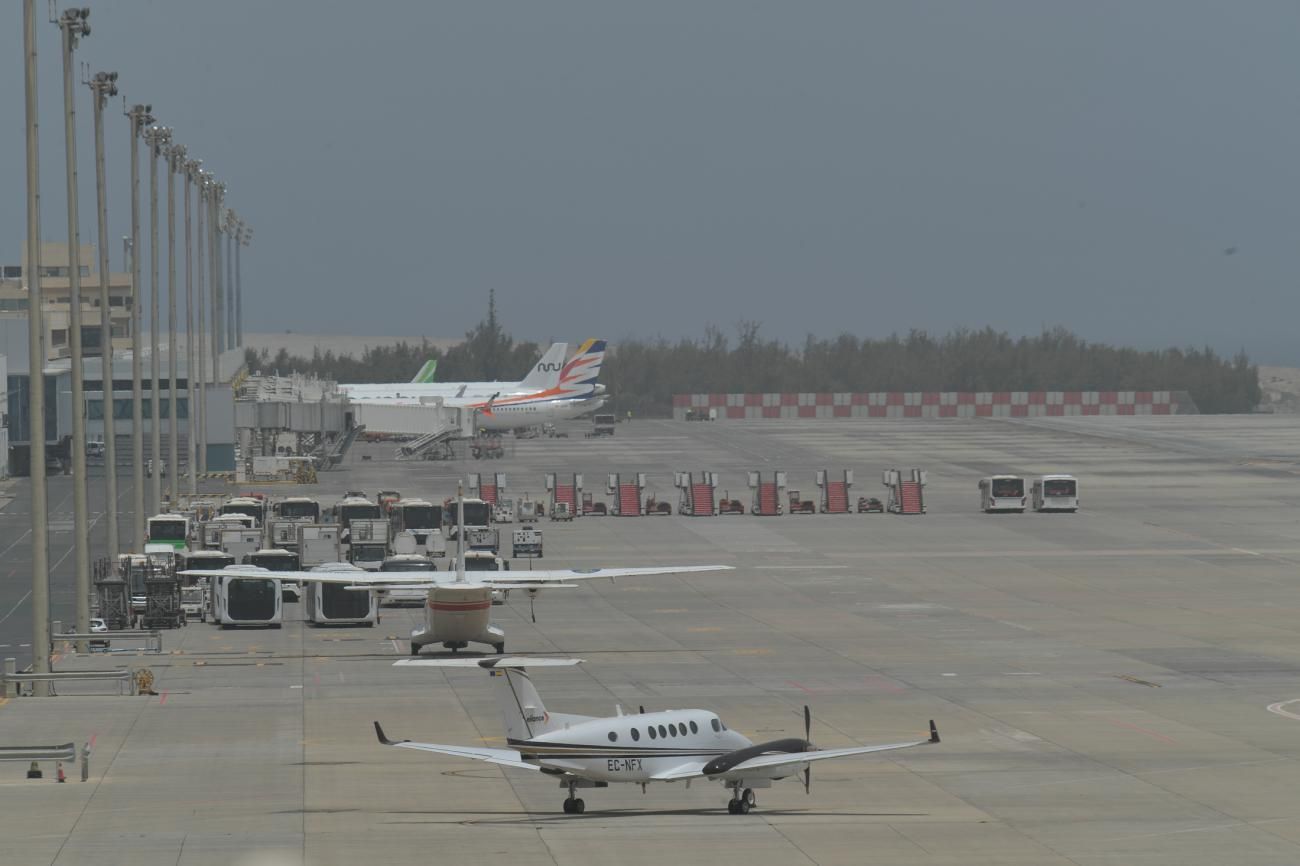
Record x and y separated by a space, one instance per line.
801 506
870 505
654 506
727 505
487 448
503 511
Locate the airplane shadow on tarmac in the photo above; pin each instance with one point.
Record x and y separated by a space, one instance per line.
527 818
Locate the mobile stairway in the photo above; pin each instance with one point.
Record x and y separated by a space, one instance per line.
906 491
697 493
626 490
835 491
487 486
766 493
335 453
566 491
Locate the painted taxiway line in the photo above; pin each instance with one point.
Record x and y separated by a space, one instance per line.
1277 709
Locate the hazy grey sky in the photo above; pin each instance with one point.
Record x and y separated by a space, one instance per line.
626 169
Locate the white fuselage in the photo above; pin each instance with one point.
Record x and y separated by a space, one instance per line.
583 746
457 614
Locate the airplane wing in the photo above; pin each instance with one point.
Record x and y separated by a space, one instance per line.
566 575
500 757
428 579
402 579
695 769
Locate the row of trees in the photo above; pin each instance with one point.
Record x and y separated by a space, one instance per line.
642 375
645 374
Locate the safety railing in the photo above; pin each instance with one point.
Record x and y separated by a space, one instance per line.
153 637
33 755
10 679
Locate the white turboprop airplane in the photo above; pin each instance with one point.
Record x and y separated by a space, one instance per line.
668 746
457 611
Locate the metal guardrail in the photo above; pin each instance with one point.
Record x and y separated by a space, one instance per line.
36 754
65 752
154 636
119 675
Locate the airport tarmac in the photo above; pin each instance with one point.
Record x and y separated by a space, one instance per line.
1117 686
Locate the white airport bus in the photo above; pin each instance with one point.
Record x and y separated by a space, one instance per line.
247 596
1002 493
1056 493
334 604
407 562
170 529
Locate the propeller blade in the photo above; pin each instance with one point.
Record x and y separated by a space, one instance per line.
807 735
532 610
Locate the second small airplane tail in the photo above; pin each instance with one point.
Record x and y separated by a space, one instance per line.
425 375
546 372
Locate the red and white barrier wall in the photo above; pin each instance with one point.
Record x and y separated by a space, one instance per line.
934 404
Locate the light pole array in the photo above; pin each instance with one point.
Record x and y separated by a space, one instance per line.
140 119
191 169
36 361
205 192
102 86
225 310
175 159
72 24
157 137
245 238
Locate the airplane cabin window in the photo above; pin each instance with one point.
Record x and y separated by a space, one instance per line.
694 728
663 732
672 730
716 727
613 737
651 729
636 735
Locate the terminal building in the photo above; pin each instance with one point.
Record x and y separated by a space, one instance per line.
57 371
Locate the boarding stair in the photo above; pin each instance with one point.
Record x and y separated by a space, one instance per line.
337 451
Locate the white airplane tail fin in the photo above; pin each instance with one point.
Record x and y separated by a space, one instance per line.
545 374
522 710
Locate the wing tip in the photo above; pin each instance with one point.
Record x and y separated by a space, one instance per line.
934 732
379 732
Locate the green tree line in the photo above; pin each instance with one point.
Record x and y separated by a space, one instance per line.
643 375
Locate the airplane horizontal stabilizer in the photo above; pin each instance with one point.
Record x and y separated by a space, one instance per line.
500 757
491 662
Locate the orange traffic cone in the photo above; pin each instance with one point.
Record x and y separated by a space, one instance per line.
62 777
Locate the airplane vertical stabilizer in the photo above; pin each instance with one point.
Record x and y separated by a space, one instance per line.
546 372
521 707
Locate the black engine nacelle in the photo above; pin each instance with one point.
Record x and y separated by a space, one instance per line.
723 763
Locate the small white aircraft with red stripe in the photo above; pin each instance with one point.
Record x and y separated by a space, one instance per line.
638 748
457 611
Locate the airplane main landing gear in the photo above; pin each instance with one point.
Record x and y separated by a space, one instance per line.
500 648
574 805
742 801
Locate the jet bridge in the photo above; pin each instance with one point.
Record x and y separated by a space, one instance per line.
626 490
697 493
767 493
566 493
906 490
834 491
487 486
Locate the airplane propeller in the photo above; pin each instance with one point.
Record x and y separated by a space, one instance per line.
807 735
